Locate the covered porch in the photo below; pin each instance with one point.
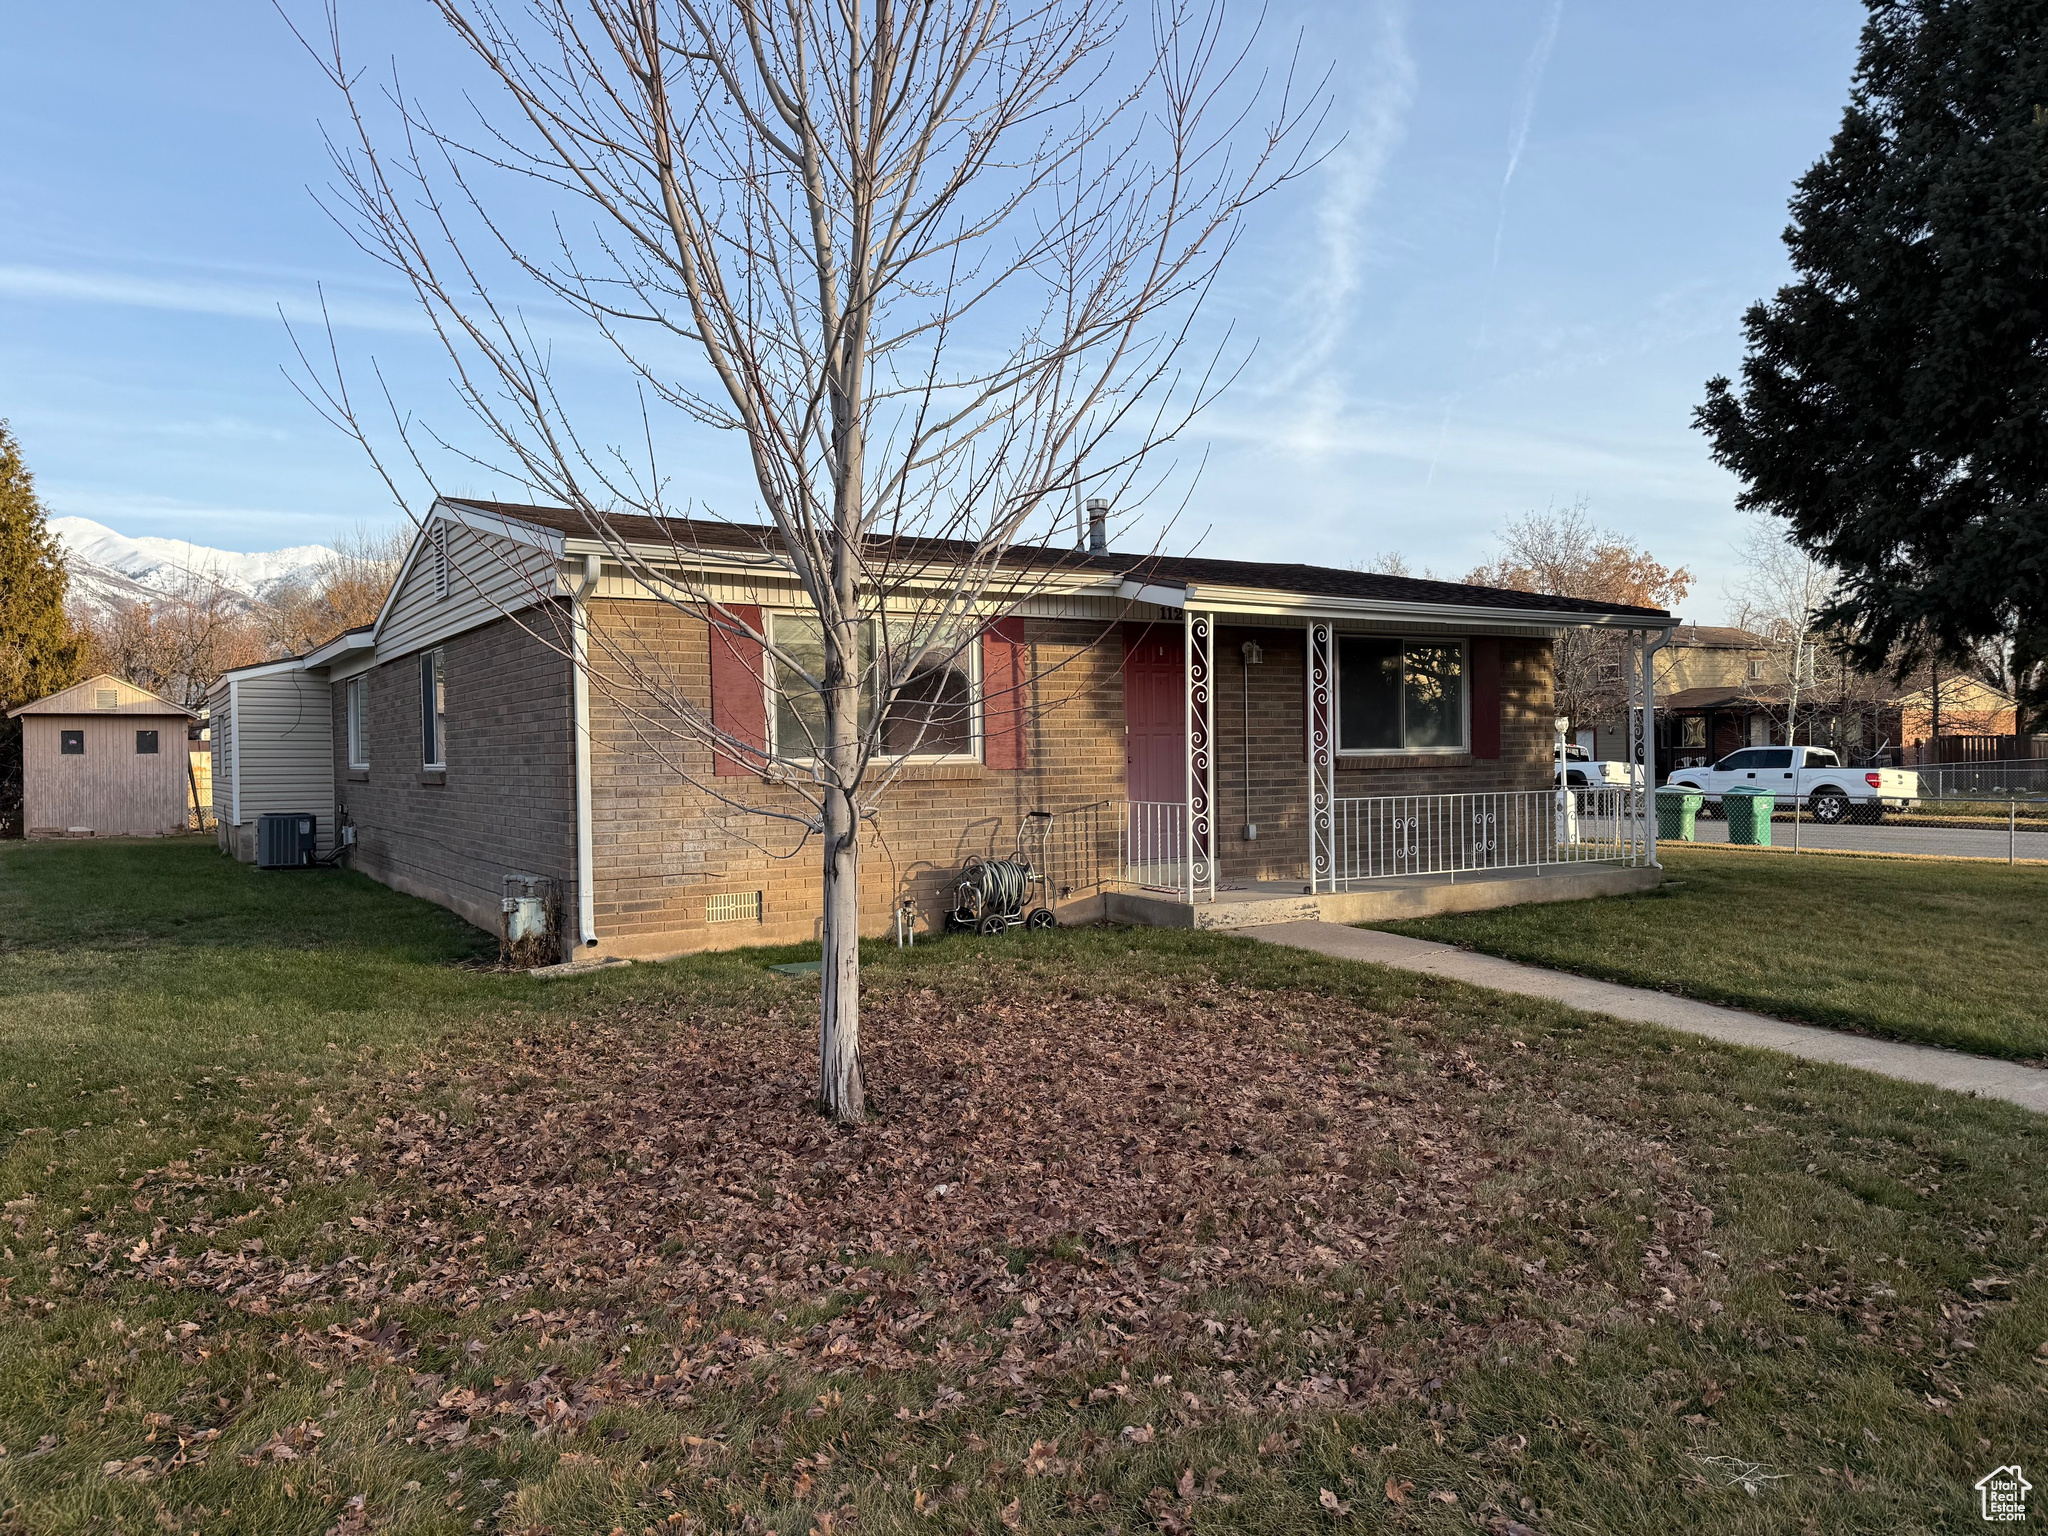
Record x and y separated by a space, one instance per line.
1357 765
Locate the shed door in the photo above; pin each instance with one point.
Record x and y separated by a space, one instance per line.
1155 715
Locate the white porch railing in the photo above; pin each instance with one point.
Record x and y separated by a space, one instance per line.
1390 835
1155 844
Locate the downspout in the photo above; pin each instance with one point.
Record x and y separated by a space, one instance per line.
579 670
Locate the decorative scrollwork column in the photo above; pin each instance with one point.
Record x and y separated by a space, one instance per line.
1200 671
1322 786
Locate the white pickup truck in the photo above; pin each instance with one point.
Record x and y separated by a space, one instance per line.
1815 775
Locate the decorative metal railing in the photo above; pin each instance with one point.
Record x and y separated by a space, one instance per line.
1155 844
1391 835
1077 850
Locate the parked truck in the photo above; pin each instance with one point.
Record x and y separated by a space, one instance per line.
1831 791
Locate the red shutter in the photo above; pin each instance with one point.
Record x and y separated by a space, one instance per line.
1002 694
739 700
1485 696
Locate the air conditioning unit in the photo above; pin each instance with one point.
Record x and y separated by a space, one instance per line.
286 840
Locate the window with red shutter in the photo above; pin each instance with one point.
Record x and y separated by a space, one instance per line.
1003 694
739 704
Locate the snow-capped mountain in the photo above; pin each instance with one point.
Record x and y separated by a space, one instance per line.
107 566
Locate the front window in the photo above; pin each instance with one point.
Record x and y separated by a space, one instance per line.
1400 695
71 743
433 711
145 744
355 691
934 714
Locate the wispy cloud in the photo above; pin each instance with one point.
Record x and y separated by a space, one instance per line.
1378 87
237 300
1525 114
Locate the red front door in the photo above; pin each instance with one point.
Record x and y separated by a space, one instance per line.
1155 715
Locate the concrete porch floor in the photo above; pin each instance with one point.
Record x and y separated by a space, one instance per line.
1260 903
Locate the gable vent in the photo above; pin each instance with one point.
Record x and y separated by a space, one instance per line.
107 698
733 907
437 537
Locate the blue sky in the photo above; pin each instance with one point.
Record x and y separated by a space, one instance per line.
1504 290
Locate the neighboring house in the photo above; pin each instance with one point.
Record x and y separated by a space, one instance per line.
450 734
1708 692
104 759
1968 706
1716 694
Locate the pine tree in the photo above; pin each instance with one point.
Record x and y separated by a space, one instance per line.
1894 399
39 653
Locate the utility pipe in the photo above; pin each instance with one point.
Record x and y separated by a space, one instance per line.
579 670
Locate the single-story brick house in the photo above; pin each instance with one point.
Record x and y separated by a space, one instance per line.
1271 708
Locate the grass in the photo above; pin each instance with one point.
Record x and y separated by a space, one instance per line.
203 1059
1941 952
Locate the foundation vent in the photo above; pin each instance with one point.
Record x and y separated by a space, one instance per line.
733 907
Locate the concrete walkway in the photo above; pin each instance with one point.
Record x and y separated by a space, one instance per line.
1938 1068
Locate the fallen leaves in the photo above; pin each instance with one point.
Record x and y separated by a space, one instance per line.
1139 1156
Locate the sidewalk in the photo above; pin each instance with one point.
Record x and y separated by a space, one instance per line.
1984 1076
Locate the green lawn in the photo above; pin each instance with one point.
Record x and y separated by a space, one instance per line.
1950 953
316 1224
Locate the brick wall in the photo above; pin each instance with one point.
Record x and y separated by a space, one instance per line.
663 845
505 803
668 834
1278 752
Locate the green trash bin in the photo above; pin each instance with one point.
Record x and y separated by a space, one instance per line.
1677 809
1749 815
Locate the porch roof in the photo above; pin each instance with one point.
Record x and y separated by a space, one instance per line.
1694 700
1273 588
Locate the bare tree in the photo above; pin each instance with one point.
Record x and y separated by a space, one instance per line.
343 591
178 643
935 264
1564 553
1775 597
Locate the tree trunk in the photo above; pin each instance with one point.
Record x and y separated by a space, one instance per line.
840 1088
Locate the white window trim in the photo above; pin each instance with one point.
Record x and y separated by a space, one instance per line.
1464 749
970 654
439 660
355 694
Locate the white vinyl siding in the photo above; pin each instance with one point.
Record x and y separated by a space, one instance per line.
488 577
281 744
220 739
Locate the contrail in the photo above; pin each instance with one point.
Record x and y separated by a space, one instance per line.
1525 112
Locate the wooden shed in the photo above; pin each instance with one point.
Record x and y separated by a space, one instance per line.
104 759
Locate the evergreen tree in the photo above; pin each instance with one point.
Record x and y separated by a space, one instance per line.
39 653
1894 399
